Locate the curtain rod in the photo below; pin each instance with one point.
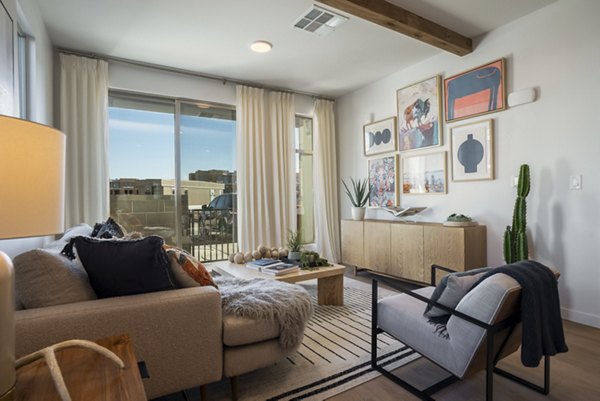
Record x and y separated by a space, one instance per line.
224 80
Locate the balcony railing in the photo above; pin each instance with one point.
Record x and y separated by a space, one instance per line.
211 234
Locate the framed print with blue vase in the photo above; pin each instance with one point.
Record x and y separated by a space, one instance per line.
472 151
380 136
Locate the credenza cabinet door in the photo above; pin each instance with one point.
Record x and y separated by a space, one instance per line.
353 243
377 246
406 251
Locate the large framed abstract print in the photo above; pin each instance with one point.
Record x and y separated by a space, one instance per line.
380 136
419 114
6 62
383 178
475 92
472 149
424 174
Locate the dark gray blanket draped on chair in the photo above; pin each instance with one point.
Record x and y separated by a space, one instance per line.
540 310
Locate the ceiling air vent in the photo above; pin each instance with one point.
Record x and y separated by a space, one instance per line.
320 21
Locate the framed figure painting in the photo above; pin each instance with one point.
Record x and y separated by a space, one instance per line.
6 62
380 136
383 176
419 114
472 148
424 174
474 92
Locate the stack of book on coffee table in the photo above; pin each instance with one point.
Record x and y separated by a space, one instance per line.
273 267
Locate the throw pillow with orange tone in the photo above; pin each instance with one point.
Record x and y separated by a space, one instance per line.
186 270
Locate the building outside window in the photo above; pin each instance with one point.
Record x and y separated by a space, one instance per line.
304 178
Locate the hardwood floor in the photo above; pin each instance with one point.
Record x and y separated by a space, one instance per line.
575 376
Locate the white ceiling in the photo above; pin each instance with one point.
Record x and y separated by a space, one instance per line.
213 37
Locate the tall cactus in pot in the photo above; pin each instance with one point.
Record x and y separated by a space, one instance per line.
515 236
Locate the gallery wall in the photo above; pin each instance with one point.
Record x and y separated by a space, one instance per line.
556 51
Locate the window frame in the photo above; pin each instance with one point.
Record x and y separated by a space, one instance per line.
301 152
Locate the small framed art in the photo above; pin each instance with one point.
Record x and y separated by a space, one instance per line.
383 178
472 149
475 92
424 174
419 114
380 136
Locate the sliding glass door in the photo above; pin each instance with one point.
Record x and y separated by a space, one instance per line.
172 171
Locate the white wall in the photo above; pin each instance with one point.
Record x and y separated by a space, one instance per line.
153 81
557 50
27 14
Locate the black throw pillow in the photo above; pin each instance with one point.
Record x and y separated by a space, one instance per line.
117 267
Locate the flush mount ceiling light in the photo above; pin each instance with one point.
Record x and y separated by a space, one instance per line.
261 46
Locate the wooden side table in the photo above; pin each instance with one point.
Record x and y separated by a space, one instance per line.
88 375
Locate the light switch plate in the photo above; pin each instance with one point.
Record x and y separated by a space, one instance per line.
575 182
514 181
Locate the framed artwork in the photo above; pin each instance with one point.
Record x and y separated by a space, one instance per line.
424 174
383 176
380 136
472 149
474 92
6 62
419 114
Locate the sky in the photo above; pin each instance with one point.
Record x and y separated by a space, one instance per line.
141 144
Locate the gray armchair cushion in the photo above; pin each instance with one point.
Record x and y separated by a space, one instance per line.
44 278
451 289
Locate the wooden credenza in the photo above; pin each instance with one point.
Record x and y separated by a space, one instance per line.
408 250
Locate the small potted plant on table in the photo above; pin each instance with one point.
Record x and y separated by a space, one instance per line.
294 244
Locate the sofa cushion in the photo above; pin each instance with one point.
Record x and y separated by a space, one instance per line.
118 267
241 331
44 278
186 270
451 289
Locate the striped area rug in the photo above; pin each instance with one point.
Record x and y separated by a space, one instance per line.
334 356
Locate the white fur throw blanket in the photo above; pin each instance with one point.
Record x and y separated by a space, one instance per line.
286 304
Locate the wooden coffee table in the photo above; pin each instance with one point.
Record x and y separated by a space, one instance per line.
330 280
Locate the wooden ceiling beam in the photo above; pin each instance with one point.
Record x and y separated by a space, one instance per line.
405 22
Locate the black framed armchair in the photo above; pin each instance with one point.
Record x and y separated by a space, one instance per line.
484 328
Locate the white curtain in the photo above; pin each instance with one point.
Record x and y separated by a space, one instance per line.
84 119
326 182
265 167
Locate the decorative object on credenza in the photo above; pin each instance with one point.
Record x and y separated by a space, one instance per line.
474 92
380 136
404 211
33 169
516 247
459 220
472 149
383 179
48 354
424 174
358 197
420 114
294 244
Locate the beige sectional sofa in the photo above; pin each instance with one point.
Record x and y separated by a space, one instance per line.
180 335
177 333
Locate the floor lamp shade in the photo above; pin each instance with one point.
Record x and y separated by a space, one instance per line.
32 167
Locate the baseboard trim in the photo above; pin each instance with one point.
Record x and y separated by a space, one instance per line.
581 317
